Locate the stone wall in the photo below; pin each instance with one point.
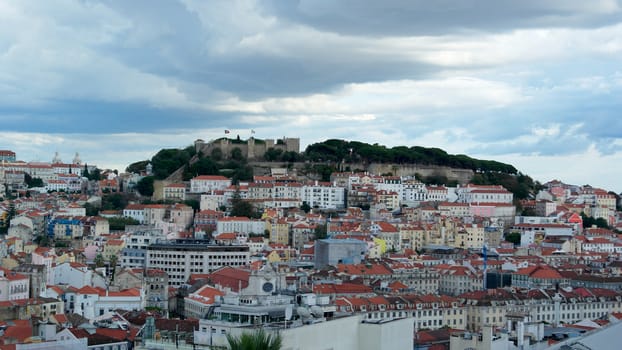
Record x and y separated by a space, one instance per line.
463 176
251 149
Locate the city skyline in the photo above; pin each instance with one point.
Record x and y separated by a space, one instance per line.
532 84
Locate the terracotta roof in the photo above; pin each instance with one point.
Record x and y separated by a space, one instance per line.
226 236
206 295
210 178
343 288
230 277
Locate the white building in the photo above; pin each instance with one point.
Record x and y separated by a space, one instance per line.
175 192
240 224
93 302
208 183
135 246
345 333
56 186
136 212
183 257
13 286
323 195
213 201
72 273
436 193
484 194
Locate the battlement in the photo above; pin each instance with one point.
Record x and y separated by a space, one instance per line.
251 148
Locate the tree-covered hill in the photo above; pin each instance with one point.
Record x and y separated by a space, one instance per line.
332 152
168 161
354 151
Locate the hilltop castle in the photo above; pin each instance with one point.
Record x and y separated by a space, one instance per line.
252 148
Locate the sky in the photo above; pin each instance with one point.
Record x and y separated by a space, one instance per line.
537 84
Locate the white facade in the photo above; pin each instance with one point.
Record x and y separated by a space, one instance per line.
175 192
181 258
413 192
73 274
212 201
136 212
346 333
324 196
56 185
93 302
484 194
208 183
436 194
240 225
13 286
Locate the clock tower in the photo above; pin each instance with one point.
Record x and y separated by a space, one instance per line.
263 282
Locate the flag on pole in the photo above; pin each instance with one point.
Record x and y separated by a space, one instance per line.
252 131
226 131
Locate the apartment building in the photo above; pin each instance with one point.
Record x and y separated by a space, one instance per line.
183 257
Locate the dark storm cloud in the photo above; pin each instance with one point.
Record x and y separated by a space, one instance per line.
423 17
100 117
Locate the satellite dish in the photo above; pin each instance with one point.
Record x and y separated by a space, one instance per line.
303 312
289 310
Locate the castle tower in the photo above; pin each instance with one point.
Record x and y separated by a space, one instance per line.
251 148
198 145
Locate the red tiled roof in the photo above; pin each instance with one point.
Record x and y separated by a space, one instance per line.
230 277
211 178
363 269
206 295
343 288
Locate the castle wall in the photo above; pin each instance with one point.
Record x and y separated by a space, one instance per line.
251 149
254 152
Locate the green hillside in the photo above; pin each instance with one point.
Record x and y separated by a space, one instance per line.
323 158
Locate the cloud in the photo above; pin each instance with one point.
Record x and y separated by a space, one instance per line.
420 17
490 78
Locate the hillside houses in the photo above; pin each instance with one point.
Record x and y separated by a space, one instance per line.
376 248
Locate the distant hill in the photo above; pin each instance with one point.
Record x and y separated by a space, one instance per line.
326 157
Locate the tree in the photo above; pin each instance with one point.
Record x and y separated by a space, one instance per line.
243 208
513 237
236 154
167 161
114 201
119 223
272 154
99 260
94 176
216 154
33 181
42 240
145 186
589 221
258 340
137 167
113 266
305 207
320 231
205 166
193 203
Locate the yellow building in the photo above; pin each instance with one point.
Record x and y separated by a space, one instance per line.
112 248
279 231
